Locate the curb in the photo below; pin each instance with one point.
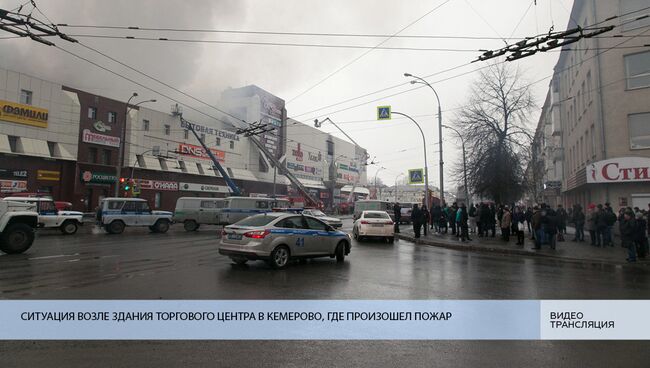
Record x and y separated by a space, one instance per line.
505 251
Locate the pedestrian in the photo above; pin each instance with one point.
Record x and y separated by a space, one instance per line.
640 238
591 222
627 235
435 218
397 212
561 221
579 222
506 223
416 218
536 224
549 223
518 220
472 218
601 226
610 221
529 218
462 223
425 219
452 218
492 219
442 221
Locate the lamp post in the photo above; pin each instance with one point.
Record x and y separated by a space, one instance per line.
426 169
397 177
462 140
378 170
120 156
442 177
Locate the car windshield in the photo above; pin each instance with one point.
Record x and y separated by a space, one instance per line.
375 215
317 213
257 220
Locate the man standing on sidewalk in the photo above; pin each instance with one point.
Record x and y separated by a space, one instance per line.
579 222
536 223
462 223
627 235
610 221
561 222
506 223
416 217
397 212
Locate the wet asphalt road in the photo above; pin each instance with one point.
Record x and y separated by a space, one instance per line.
180 265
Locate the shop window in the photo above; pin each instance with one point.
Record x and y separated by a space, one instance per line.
25 97
639 127
637 71
112 117
13 143
145 125
186 134
167 129
92 155
157 199
218 142
92 113
232 144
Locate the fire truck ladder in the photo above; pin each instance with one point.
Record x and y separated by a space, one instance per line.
233 187
283 171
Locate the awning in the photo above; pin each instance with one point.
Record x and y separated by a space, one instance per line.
33 147
358 190
191 168
151 163
173 165
243 175
62 152
4 143
314 184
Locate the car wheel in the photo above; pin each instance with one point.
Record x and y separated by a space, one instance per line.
280 257
17 238
69 227
161 226
340 252
239 260
116 227
190 225
355 235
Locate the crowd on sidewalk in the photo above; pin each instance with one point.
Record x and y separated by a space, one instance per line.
544 224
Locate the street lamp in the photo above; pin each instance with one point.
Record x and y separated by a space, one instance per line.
378 170
462 140
426 168
397 177
120 158
422 81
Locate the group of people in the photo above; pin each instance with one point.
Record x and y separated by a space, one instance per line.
546 225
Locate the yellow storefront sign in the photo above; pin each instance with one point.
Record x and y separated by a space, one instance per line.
23 114
48 175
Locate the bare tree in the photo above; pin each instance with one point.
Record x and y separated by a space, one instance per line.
494 125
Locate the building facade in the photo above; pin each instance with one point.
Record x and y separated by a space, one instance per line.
599 95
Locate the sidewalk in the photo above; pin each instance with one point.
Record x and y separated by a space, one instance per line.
566 250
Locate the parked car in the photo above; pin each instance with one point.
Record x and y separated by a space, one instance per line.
238 208
277 237
195 211
17 224
60 205
49 217
372 205
374 224
117 213
407 208
332 221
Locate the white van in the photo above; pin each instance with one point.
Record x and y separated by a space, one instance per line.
195 211
373 205
238 208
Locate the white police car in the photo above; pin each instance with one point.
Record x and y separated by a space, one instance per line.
277 237
117 213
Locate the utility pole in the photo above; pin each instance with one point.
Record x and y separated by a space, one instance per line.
426 169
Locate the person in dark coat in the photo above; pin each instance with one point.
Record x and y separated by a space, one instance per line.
464 227
579 222
435 218
425 219
442 221
397 212
518 224
451 217
601 227
492 220
529 218
416 217
562 217
640 238
549 223
627 227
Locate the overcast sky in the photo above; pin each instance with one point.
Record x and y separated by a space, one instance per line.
205 69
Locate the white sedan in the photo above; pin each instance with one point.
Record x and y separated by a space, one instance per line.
374 224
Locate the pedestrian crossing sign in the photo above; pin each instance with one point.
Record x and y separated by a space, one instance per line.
416 176
383 113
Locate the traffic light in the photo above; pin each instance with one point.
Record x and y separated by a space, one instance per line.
127 185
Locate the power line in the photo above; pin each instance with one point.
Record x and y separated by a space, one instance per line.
365 53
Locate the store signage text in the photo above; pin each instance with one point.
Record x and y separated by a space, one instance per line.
12 186
212 131
199 152
297 153
170 186
23 114
48 175
104 140
195 187
97 177
618 170
12 173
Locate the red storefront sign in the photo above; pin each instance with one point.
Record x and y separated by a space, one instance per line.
199 152
13 186
617 170
104 140
170 186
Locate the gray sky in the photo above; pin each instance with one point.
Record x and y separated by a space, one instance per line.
204 69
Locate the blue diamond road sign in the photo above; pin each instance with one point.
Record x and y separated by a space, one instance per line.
416 176
383 113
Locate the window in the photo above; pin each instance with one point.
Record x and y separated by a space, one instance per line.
200 168
182 166
203 137
142 207
589 86
330 148
583 101
230 172
207 204
92 113
579 101
157 199
145 125
163 164
25 97
257 220
291 223
218 143
263 167
112 117
186 134
315 224
232 144
115 205
129 206
637 70
261 204
593 141
639 126
92 155
167 129
51 147
106 157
